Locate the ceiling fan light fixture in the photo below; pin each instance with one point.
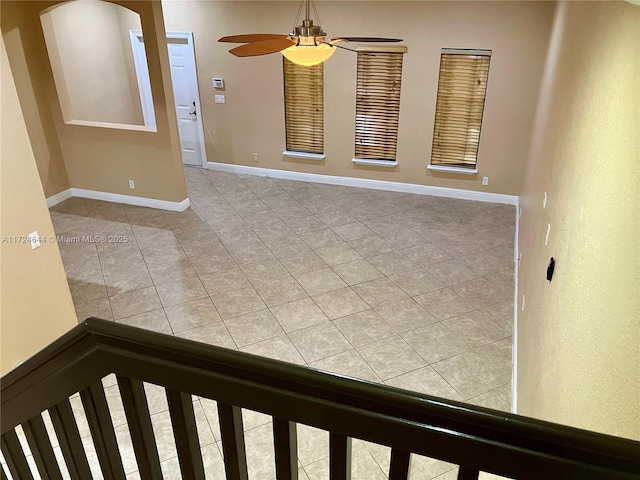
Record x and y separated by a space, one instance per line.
308 54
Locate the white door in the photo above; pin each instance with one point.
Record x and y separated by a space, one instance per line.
185 92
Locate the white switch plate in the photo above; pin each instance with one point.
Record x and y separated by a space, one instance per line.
485 180
217 82
220 99
132 185
34 239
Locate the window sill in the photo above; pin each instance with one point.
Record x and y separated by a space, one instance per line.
307 156
378 163
464 171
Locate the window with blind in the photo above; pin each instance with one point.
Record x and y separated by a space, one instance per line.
304 109
462 86
378 105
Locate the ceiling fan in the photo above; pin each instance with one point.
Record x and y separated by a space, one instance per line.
305 45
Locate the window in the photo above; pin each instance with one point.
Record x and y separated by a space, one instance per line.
462 86
378 105
304 110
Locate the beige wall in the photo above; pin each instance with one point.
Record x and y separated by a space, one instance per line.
253 118
579 336
96 158
34 96
85 38
35 304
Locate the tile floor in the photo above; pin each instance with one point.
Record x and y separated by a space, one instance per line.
408 290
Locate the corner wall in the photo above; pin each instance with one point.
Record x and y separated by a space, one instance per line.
252 120
579 335
36 306
98 158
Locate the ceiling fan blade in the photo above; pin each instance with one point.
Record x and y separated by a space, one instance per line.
263 47
251 37
365 39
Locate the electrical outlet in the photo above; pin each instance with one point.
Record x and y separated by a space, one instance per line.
34 239
255 157
485 180
219 99
131 184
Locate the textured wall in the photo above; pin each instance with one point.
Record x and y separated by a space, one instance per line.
579 336
253 118
36 306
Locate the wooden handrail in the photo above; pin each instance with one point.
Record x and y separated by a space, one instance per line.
474 437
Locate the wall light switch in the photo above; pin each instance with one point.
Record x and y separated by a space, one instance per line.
220 99
217 82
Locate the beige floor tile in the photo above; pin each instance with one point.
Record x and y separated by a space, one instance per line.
435 342
451 272
499 354
470 374
337 254
417 281
255 253
278 348
302 224
212 262
335 218
155 320
476 329
339 303
287 246
391 357
321 238
426 254
260 452
181 291
303 262
501 313
320 281
352 231
298 314
486 262
192 314
126 281
134 302
348 363
237 302
444 303
498 399
170 271
265 271
379 292
358 271
318 342
392 263
430 468
313 444
371 246
96 308
405 315
225 281
277 292
425 380
213 334
253 327
364 327
479 292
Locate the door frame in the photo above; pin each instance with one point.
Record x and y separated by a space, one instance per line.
144 83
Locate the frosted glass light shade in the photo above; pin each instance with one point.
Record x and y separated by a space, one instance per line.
309 55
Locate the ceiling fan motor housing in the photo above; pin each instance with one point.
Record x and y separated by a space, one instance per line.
308 33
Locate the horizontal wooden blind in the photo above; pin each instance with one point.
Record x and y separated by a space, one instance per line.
377 105
461 92
304 107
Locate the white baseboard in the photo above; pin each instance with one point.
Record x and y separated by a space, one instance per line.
514 352
367 183
118 198
54 200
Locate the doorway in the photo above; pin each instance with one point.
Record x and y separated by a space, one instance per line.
185 91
